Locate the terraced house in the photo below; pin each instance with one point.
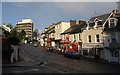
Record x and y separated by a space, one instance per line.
74 33
51 36
112 37
99 35
60 27
44 37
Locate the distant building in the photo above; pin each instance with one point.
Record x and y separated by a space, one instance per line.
27 26
43 37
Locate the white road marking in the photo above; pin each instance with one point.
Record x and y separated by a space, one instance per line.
54 69
26 70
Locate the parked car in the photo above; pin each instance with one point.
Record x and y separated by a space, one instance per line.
72 51
72 54
51 49
58 49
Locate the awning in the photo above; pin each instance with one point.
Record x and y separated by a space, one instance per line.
64 42
78 43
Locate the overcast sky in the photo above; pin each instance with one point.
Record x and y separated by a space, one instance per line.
45 13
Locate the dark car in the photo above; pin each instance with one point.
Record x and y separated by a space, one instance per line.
72 54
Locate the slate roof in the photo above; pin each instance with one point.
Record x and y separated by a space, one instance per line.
101 17
75 28
117 28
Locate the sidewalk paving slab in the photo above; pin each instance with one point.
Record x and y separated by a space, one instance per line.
22 64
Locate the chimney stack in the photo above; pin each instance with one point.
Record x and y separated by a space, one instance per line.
72 22
81 22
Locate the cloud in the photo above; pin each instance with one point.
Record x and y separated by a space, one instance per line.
60 0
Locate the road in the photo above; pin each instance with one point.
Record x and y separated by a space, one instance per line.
56 63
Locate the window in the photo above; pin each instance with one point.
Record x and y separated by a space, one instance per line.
99 23
112 22
113 38
85 52
97 38
52 34
112 35
79 37
89 38
64 37
114 53
74 37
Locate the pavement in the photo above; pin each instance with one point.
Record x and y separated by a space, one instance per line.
99 60
23 61
22 64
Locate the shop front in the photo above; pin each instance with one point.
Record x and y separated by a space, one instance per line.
92 50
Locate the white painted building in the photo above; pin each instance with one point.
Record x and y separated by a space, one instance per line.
102 37
74 33
60 27
43 37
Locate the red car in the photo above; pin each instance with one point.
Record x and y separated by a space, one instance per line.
72 51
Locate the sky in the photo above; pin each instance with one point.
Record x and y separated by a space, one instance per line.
46 13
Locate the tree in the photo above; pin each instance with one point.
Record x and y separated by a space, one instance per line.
35 34
22 35
14 37
10 26
14 33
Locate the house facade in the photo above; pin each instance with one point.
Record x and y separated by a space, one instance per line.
51 35
73 34
92 42
101 37
44 37
112 38
60 27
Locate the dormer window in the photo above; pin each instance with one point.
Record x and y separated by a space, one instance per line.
87 26
95 26
112 22
98 23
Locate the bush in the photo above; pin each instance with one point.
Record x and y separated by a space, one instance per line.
6 51
13 40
